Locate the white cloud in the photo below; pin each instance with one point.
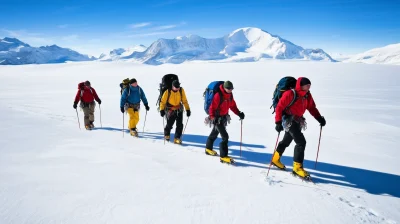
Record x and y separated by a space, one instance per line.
139 25
146 34
166 27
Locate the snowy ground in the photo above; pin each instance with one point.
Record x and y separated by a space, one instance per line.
52 172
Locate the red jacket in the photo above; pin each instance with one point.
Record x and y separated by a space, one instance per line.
88 95
299 107
227 103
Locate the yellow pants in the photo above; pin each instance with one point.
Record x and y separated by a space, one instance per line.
133 118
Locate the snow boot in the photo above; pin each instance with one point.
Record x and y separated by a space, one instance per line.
178 141
91 125
167 138
227 160
134 132
211 152
299 171
88 127
276 161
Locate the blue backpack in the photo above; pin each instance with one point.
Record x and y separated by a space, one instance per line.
208 95
286 83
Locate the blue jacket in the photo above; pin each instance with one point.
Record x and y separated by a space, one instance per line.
136 94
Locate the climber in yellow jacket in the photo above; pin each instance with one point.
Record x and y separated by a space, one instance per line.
171 105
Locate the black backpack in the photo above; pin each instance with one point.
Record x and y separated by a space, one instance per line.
166 84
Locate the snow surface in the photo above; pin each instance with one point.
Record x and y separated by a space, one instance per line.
340 57
52 172
16 52
244 44
389 54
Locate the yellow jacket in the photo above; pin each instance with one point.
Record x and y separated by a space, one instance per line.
175 99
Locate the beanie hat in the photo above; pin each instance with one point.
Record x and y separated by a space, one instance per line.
228 85
304 81
176 84
87 83
133 80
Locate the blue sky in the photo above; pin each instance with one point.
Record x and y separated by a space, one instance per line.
96 26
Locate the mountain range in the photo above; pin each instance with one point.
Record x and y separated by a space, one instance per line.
16 52
241 45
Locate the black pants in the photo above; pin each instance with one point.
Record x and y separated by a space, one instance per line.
174 116
295 134
223 146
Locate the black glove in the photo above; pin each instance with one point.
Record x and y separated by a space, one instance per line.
147 107
75 105
321 121
241 115
188 113
122 109
279 126
162 113
99 101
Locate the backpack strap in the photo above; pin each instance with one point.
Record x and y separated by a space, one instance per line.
293 100
169 94
221 100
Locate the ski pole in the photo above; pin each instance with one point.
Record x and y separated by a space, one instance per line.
79 123
276 144
184 128
123 124
319 142
241 135
101 123
144 121
163 128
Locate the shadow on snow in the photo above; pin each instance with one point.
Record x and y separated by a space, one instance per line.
373 182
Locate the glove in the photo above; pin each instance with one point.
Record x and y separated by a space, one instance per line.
279 126
321 121
188 113
147 107
162 113
99 101
241 115
75 105
122 109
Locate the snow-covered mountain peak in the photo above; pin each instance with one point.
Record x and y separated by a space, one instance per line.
389 54
16 52
121 53
11 44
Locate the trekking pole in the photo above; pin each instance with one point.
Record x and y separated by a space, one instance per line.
163 128
100 116
184 128
319 142
144 122
241 135
79 123
123 124
276 144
